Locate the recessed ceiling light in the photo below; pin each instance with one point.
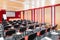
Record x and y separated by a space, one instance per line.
12 0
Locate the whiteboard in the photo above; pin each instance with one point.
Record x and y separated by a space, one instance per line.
10 14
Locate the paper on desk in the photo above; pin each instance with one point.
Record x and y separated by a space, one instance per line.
46 38
37 27
18 33
29 30
54 33
1 38
12 27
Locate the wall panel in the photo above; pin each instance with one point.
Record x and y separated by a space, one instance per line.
38 15
48 15
33 14
29 15
25 15
21 14
58 16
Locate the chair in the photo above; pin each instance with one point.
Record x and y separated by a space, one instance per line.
16 25
31 27
43 23
22 29
24 24
7 27
42 32
37 26
29 22
19 22
22 39
10 22
14 22
32 36
48 30
54 27
10 32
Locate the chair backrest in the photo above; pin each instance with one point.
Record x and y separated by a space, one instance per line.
24 24
37 26
10 22
19 22
48 29
32 36
16 26
22 29
31 27
7 27
10 32
54 27
42 32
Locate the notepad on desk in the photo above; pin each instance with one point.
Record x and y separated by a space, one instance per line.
46 38
54 33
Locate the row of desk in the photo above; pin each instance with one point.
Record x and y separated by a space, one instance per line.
25 30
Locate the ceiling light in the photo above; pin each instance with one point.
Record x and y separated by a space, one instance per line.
42 2
16 1
12 0
52 2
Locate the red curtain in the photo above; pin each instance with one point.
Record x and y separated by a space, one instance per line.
1 14
18 14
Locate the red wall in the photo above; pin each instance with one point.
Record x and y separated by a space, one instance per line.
17 15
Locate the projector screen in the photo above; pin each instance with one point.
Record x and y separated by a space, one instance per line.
10 14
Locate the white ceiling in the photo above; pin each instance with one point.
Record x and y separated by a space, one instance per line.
25 4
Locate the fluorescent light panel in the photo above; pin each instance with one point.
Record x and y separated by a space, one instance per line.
17 1
42 3
26 4
52 2
14 7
